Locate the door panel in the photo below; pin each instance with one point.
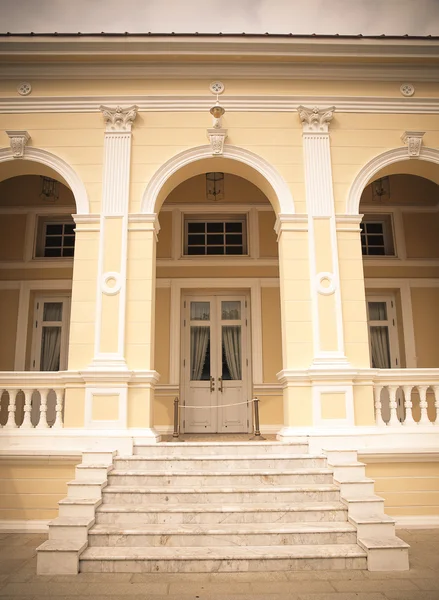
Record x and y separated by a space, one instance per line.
215 365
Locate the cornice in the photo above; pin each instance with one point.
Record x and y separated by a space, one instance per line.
384 71
145 103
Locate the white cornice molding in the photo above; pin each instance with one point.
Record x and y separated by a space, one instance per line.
171 103
221 70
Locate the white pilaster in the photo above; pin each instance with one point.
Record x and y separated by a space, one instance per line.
320 206
115 197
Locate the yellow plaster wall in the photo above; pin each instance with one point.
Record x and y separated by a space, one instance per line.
12 236
333 405
74 407
267 236
30 488
271 334
164 244
408 488
425 303
8 327
162 333
25 190
271 410
421 234
163 412
105 407
406 190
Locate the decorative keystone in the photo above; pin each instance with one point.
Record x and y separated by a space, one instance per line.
315 120
18 141
119 119
413 140
217 138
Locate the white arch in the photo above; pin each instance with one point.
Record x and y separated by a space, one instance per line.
375 165
60 166
260 165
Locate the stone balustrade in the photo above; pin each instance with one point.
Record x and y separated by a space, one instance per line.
406 397
31 405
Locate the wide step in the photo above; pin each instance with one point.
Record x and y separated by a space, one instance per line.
187 535
225 559
211 448
210 513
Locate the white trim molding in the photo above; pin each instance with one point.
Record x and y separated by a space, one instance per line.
48 159
375 165
258 164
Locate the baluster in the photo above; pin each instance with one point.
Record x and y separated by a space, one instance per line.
393 421
378 414
436 402
408 405
58 408
42 423
27 424
10 424
424 420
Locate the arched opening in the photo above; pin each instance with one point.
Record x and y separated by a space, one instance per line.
37 241
218 323
400 248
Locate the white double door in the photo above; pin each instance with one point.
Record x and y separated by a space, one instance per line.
215 365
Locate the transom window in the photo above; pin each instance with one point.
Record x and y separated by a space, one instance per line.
215 237
376 236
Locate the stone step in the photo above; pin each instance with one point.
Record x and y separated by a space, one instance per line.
386 554
223 534
78 507
220 462
220 478
209 448
374 526
225 559
220 495
214 514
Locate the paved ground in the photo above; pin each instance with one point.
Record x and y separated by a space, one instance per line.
19 581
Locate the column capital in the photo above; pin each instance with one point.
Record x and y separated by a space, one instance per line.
119 120
290 223
315 120
18 141
413 141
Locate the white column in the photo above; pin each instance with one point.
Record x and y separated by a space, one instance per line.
324 270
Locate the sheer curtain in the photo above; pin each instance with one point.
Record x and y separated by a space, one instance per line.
379 336
232 349
50 349
199 343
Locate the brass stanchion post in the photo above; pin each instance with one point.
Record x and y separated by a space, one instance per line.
257 435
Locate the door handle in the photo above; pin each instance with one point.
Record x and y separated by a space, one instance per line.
212 384
220 384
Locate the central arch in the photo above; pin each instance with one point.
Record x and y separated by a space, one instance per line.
193 162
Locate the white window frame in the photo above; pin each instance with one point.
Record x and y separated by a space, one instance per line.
215 218
37 329
386 220
40 235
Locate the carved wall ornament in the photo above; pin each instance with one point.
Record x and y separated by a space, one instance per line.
217 87
119 119
413 140
217 138
315 120
111 283
24 88
325 283
18 141
407 89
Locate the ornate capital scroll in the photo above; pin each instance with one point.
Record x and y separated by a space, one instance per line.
18 141
413 140
119 119
315 120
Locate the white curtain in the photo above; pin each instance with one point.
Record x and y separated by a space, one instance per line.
232 349
50 349
199 343
379 341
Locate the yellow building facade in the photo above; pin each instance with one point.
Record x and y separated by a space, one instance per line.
281 246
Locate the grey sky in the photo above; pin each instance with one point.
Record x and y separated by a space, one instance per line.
369 17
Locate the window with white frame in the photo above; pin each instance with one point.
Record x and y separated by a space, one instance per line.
55 237
377 235
50 333
215 236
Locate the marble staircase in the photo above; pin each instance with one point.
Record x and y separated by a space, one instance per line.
227 506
